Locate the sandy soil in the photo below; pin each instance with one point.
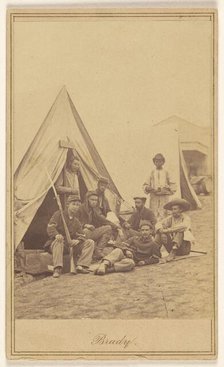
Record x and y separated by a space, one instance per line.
181 289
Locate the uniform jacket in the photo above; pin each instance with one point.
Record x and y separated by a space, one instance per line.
104 206
138 216
55 226
87 215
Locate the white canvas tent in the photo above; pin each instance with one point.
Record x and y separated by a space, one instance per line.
195 142
31 184
165 139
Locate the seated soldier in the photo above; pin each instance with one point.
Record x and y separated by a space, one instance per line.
141 213
96 226
57 245
174 232
139 250
103 203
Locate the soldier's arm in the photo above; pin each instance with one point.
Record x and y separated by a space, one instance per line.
52 230
103 221
180 227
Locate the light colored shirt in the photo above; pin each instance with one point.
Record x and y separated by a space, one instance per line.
180 224
69 180
160 178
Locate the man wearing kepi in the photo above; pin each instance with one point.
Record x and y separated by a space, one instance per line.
174 232
139 250
160 186
103 203
96 226
57 244
132 225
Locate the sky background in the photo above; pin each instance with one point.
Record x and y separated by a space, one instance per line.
123 76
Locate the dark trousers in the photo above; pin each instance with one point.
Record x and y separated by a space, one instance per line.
177 239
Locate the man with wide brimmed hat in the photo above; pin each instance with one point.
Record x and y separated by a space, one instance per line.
136 251
174 232
57 244
159 185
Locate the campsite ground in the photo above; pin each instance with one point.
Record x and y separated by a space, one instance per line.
181 289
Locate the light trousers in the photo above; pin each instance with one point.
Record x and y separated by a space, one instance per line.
119 261
82 253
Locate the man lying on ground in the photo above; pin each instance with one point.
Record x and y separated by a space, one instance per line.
96 226
141 213
57 244
139 250
174 232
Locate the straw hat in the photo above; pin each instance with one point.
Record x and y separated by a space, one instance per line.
183 204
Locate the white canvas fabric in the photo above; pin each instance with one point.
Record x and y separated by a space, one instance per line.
31 183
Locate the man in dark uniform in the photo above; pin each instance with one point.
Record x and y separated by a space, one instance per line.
141 213
103 203
139 250
57 245
95 225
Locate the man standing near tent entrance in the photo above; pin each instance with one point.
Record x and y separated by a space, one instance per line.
95 226
103 203
57 244
68 183
160 186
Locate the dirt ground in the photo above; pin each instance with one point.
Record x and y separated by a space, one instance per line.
181 289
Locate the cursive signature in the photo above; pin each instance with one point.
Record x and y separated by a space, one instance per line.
103 339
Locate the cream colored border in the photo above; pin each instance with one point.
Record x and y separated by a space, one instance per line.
87 12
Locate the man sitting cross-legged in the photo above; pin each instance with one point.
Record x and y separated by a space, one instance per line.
174 232
57 244
139 250
95 225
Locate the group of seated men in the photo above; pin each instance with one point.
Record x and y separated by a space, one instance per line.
135 242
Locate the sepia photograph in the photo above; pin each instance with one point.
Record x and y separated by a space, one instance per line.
111 148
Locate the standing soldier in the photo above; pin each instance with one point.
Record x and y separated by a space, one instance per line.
103 203
68 183
160 186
